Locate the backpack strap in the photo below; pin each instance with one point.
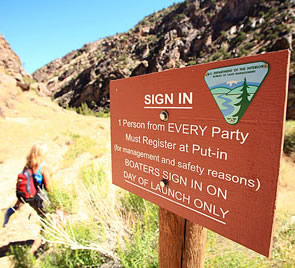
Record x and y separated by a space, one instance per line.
40 168
28 175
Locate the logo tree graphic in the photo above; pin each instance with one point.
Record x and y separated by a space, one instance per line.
244 102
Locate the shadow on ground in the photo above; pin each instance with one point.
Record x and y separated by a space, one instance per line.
5 250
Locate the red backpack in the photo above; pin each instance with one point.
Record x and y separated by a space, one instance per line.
25 186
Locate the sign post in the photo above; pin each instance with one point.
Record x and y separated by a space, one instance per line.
204 142
181 242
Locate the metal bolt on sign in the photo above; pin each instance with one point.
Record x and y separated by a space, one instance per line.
164 115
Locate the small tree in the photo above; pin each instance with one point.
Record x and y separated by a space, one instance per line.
244 102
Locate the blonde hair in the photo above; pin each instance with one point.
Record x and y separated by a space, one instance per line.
36 155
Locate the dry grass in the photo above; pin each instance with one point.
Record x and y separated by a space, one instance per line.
286 189
97 214
30 119
286 192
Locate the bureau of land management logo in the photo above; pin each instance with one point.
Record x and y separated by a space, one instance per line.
234 87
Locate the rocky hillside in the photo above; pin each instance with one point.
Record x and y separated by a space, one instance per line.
11 64
192 32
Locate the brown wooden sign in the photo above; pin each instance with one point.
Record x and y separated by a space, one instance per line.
205 142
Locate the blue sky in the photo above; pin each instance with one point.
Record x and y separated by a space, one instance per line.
40 31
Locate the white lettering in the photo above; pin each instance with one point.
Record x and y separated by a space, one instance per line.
229 135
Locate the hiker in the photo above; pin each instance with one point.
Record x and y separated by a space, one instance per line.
35 165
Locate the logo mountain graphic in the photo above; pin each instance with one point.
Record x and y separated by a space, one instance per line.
234 87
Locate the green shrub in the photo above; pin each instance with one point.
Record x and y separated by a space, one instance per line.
283 253
222 252
244 52
80 144
78 241
29 80
67 258
289 144
270 13
61 198
22 257
132 203
151 38
271 36
289 139
76 253
92 176
248 46
95 183
85 110
104 114
258 36
192 62
239 38
140 249
180 17
216 56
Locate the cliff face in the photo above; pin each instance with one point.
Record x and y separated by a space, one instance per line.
192 32
11 64
9 61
